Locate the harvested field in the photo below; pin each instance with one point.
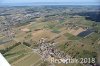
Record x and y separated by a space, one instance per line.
37 35
25 30
75 32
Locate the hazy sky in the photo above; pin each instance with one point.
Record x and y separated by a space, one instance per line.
32 1
28 1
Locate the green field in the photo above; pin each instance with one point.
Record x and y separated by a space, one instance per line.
31 59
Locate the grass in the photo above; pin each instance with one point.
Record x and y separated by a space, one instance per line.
77 49
17 52
72 37
55 30
29 60
91 38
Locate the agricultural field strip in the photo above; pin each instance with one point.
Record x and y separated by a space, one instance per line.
57 35
30 53
36 62
21 59
14 56
23 53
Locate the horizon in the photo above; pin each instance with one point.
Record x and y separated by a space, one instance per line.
48 2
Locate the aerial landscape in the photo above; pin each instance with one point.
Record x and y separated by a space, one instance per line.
47 35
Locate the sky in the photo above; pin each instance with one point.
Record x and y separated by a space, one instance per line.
32 1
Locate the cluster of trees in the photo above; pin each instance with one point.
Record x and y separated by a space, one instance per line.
27 44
